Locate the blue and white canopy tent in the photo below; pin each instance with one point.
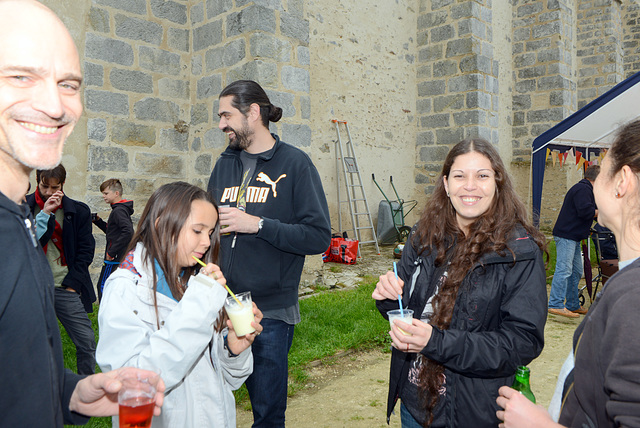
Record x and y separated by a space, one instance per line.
589 130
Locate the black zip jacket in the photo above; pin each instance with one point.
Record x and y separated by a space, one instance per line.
606 388
118 228
286 192
36 388
497 325
576 215
78 243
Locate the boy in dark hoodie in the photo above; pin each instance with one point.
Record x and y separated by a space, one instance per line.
119 228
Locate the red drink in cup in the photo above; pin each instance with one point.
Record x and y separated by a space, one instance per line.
136 412
137 399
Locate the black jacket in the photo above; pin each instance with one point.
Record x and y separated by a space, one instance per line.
577 212
606 388
118 228
36 387
78 243
296 223
497 325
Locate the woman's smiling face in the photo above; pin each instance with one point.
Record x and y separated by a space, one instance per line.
471 186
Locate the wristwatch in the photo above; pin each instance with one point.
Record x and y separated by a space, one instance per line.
260 223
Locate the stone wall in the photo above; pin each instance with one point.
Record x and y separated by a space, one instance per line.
412 77
363 71
599 48
457 81
631 38
137 95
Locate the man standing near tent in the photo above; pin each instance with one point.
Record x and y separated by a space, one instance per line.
572 226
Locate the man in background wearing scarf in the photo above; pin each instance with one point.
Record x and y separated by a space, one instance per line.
69 246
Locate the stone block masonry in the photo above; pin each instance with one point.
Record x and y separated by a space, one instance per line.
138 94
265 41
460 68
154 70
413 77
599 48
543 38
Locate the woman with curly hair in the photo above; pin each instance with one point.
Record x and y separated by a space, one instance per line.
475 280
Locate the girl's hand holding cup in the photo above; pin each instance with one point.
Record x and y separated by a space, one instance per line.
238 344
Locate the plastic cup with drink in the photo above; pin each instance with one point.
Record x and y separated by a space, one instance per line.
137 398
405 315
240 311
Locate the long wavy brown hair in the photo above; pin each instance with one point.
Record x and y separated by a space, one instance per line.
438 231
158 230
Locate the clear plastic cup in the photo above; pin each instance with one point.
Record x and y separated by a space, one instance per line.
241 315
137 399
406 315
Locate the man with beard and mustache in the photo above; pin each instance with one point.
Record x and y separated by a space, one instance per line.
276 213
40 104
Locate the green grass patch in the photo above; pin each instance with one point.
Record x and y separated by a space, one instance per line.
69 352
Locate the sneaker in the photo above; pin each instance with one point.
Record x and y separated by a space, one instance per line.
564 312
582 311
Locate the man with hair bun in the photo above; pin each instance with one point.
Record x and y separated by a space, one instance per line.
273 212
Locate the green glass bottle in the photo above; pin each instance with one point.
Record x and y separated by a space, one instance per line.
521 383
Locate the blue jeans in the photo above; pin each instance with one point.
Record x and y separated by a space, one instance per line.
268 383
407 420
70 311
567 275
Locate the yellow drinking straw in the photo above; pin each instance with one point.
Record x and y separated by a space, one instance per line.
225 286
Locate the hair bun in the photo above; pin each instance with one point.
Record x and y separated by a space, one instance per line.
275 113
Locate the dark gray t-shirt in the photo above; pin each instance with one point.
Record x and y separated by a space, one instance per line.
291 314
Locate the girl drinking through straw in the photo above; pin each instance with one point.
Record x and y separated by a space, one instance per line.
156 313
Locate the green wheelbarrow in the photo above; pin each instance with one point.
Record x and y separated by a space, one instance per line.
391 215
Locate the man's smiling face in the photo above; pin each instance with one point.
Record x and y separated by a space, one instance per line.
40 80
235 124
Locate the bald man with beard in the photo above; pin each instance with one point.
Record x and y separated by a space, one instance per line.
40 104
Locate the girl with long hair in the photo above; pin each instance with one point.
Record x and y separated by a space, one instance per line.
472 272
155 313
603 387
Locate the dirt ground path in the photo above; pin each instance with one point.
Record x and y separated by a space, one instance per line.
351 390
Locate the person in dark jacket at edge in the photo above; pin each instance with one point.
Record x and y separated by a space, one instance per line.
572 226
473 274
69 247
40 103
118 228
276 213
602 388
